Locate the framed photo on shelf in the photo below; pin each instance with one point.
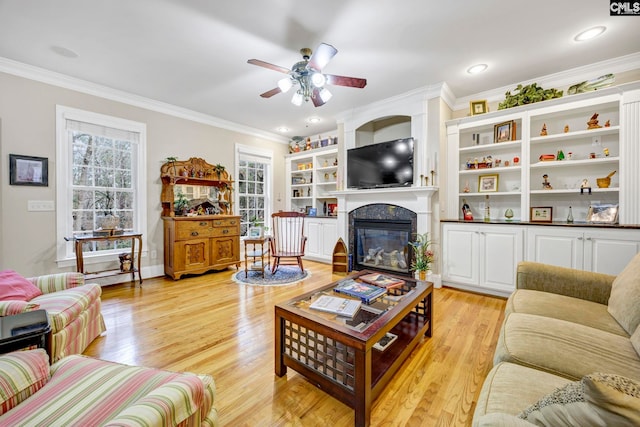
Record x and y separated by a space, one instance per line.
504 132
478 107
28 170
603 214
488 183
541 214
255 232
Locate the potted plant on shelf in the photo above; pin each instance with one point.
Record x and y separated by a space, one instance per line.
180 204
219 170
423 255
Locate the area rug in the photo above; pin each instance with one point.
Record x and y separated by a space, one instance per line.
285 275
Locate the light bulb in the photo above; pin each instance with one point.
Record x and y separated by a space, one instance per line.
285 84
325 95
318 79
297 99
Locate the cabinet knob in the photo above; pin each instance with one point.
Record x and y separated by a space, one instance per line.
589 238
225 231
579 238
232 222
194 233
202 223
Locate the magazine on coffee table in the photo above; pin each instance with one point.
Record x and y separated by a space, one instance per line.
336 305
382 280
385 341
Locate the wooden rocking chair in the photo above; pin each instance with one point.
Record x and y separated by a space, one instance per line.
288 239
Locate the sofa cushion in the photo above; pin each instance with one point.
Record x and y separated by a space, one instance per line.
635 340
509 388
564 348
22 373
597 399
625 296
564 308
63 307
15 287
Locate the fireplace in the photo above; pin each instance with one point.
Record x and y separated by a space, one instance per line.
379 236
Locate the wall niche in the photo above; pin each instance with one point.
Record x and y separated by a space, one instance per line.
383 129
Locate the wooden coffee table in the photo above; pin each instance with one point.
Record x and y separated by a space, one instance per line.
340 358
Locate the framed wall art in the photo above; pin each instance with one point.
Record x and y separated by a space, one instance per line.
478 107
541 214
504 132
488 183
28 170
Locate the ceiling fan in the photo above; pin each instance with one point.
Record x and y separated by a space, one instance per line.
307 75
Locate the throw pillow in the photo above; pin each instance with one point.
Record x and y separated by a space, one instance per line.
22 373
625 296
597 399
15 287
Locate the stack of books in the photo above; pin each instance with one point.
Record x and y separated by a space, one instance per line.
382 280
336 305
365 291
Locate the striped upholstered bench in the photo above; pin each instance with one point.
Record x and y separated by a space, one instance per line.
82 391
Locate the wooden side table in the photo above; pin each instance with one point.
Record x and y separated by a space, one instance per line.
134 237
255 253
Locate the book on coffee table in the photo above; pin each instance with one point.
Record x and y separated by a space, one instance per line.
336 305
365 291
382 280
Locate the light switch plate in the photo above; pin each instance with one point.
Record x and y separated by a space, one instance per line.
40 205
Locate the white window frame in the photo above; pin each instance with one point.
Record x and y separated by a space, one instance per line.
64 193
264 156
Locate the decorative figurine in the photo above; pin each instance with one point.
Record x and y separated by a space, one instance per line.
508 214
593 122
560 155
585 186
466 211
466 187
516 160
606 152
607 123
546 185
566 128
543 132
569 155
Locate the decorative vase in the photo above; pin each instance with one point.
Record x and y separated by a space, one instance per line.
422 275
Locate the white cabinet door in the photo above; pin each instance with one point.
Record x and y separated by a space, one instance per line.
460 251
481 257
501 250
322 234
559 246
609 251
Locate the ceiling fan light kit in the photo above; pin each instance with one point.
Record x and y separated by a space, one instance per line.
308 77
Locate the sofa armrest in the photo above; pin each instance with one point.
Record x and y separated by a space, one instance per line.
180 401
57 282
9 308
22 373
581 284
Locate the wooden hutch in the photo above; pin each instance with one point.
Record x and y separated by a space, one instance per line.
208 238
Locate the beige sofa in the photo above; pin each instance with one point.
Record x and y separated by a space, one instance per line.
568 351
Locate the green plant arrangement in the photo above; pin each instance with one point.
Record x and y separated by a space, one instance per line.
423 254
219 169
181 203
528 95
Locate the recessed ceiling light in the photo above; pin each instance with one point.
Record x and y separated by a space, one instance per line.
314 119
283 129
590 33
63 51
478 68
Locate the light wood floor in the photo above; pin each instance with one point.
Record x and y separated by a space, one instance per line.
209 324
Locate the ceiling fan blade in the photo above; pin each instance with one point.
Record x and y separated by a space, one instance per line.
321 57
317 101
270 93
273 67
345 81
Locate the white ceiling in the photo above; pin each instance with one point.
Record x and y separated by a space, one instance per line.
193 53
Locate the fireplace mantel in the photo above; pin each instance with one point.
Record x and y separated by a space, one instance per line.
417 199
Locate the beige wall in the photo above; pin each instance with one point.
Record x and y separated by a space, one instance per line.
27 126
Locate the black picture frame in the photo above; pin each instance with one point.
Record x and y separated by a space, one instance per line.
28 170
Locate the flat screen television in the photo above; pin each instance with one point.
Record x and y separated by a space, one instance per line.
384 164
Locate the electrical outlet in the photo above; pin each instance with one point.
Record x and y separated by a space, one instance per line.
40 205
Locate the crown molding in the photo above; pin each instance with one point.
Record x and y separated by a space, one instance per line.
41 75
562 79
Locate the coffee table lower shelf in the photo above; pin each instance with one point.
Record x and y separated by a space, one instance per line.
341 361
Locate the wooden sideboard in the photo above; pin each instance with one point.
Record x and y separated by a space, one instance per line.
195 245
